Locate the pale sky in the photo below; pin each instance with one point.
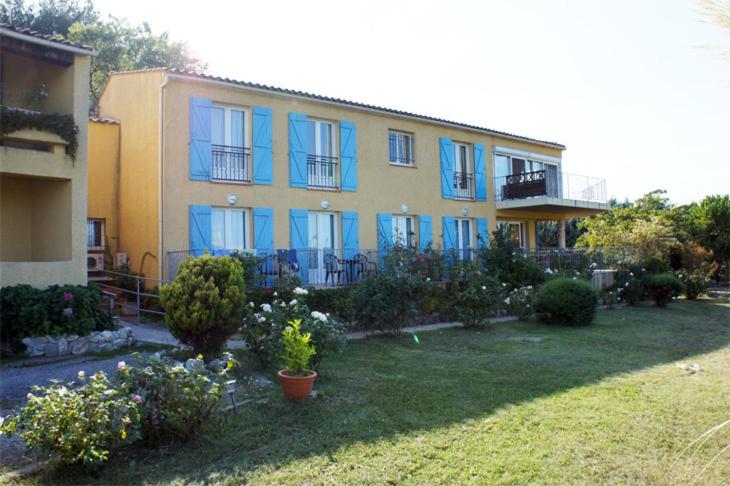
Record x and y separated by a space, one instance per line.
638 90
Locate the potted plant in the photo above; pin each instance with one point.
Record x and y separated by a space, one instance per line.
296 379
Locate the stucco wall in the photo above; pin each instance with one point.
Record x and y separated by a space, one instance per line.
133 99
103 197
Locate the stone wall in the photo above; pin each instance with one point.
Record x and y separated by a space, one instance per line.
95 342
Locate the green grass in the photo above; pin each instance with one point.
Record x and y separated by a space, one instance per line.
601 404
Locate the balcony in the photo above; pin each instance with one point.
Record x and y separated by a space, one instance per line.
550 190
231 164
463 185
322 172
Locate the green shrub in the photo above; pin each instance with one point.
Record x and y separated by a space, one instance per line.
57 310
335 301
662 288
472 296
59 123
695 284
205 303
298 349
251 275
630 284
263 326
566 301
520 302
76 424
386 301
175 403
505 262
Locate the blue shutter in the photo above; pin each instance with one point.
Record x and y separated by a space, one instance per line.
385 234
392 149
425 231
200 152
263 230
350 234
199 223
446 148
263 170
348 155
299 240
449 230
482 232
298 150
480 173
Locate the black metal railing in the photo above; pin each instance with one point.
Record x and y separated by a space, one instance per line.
463 185
549 183
322 171
525 184
230 163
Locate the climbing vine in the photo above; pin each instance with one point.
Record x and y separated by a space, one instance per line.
60 124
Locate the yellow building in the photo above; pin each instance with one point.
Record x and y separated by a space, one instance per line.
208 163
43 177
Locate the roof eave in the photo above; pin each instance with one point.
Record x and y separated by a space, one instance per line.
46 43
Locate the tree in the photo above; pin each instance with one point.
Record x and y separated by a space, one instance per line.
52 17
120 46
713 217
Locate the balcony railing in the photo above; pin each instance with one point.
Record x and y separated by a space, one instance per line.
322 171
552 184
230 163
463 185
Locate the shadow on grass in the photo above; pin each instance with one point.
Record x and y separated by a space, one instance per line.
384 387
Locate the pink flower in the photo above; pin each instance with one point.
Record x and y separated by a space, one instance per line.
68 297
137 399
68 312
121 365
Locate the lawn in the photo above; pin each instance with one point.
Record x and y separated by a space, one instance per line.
601 404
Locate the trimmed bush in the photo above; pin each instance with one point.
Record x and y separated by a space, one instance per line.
662 288
566 301
58 310
335 301
385 301
204 305
695 284
472 296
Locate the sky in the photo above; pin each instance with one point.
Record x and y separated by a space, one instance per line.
638 90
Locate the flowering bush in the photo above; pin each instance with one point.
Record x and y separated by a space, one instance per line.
630 284
76 424
263 326
662 288
57 310
505 262
695 284
519 302
473 297
204 304
298 349
176 402
610 298
566 301
386 301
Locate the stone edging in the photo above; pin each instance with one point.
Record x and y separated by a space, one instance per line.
95 342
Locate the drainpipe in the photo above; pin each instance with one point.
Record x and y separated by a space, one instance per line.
160 257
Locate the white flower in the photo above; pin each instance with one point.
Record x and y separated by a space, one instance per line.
484 287
30 396
428 279
573 278
577 272
631 274
266 307
293 303
81 374
504 284
287 328
318 316
529 287
250 304
506 301
549 270
262 319
593 265
121 365
276 293
300 291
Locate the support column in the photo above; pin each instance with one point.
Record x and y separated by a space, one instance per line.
561 233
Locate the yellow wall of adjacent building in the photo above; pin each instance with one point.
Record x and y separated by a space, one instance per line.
48 187
133 99
104 180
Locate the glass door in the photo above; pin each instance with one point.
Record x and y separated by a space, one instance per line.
321 164
323 245
464 238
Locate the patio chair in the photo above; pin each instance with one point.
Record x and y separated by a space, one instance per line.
363 266
332 266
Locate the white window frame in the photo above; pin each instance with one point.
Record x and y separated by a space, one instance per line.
227 109
400 234
410 161
90 224
459 192
317 152
522 228
227 236
459 236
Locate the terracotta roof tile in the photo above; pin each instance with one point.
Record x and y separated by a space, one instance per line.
39 35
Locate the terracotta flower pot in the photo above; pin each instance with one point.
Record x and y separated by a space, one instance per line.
297 387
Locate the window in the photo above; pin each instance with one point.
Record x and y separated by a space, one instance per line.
515 230
321 163
95 235
229 138
462 172
400 148
403 231
229 229
507 165
464 237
